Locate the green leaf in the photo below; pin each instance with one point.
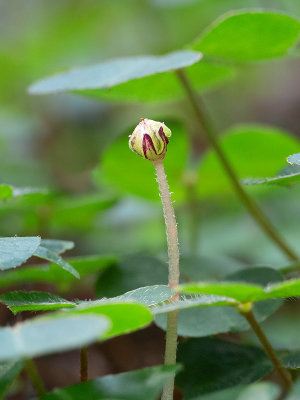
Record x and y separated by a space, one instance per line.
125 317
131 273
245 292
57 246
148 295
249 35
287 176
253 151
144 384
41 336
14 251
261 391
18 301
213 364
52 273
113 72
166 86
47 254
143 183
9 370
294 159
6 192
206 315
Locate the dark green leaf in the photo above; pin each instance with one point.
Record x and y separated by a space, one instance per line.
145 384
249 35
131 273
40 336
14 251
213 364
9 370
33 301
113 72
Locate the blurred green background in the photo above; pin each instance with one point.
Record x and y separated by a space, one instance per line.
100 195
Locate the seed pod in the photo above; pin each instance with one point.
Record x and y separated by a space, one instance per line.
150 139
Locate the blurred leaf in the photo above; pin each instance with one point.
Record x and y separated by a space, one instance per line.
124 317
43 335
287 176
113 72
148 295
49 255
295 392
14 251
6 192
9 370
294 159
51 273
33 301
57 246
260 391
196 268
206 315
256 35
213 364
166 86
253 150
119 163
131 273
144 384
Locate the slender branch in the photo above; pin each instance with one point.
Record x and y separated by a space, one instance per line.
83 364
248 202
281 370
173 252
35 377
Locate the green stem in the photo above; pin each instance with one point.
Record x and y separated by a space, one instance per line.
281 370
203 120
35 378
83 364
173 253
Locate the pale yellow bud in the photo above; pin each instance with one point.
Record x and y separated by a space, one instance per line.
150 139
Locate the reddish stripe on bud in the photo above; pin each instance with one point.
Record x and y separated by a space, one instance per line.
163 136
148 145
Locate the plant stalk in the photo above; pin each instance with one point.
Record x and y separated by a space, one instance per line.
173 253
35 377
83 364
281 370
207 128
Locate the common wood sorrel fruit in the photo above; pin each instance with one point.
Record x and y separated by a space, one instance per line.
150 140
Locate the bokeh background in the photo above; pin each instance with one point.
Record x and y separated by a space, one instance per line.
65 144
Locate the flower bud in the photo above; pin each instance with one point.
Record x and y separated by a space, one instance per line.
149 139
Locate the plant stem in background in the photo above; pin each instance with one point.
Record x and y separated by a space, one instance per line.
35 378
206 126
83 364
173 252
281 370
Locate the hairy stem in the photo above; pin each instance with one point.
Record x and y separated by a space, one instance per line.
83 364
281 370
173 253
258 215
35 378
